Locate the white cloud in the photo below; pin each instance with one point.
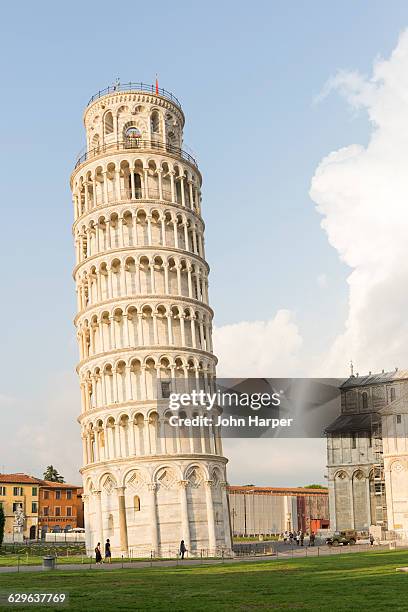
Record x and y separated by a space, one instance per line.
362 193
258 348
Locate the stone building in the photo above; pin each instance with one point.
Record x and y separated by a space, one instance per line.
144 329
367 455
273 510
20 491
60 507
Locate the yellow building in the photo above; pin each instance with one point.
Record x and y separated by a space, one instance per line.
20 491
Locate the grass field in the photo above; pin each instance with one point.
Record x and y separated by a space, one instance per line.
24 559
361 581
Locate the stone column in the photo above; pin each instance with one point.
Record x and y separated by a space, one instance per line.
368 502
226 514
183 200
332 504
178 270
212 542
185 523
351 503
88 541
122 520
154 533
159 174
98 518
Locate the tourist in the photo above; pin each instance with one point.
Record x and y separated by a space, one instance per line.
298 538
290 537
98 555
108 554
183 549
371 539
302 537
312 539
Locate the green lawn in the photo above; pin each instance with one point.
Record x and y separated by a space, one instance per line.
13 560
354 582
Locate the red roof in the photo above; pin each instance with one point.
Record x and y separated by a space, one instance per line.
48 484
20 479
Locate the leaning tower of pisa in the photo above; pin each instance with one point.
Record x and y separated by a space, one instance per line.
144 330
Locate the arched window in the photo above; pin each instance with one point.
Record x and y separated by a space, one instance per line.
95 141
108 123
364 399
136 503
133 132
155 123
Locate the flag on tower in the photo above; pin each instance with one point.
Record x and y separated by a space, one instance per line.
157 86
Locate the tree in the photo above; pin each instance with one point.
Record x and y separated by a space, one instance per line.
314 486
2 523
52 475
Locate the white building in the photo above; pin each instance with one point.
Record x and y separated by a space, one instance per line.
367 455
144 329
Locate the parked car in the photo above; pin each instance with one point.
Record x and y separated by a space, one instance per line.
348 536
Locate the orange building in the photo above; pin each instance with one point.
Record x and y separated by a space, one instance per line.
60 507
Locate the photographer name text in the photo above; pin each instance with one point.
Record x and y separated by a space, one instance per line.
228 421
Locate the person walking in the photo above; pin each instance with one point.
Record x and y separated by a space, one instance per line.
297 538
312 539
183 549
98 554
371 539
108 554
302 537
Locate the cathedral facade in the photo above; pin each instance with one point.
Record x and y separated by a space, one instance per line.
367 455
144 328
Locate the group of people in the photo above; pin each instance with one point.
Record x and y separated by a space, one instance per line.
298 537
108 554
98 553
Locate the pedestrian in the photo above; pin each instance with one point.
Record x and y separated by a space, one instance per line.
297 538
108 554
98 555
302 537
312 539
290 537
183 549
371 539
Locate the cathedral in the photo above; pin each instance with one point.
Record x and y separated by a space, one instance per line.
144 329
367 455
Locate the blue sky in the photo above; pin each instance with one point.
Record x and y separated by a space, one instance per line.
247 77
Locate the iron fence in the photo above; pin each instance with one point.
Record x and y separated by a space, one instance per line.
143 87
136 143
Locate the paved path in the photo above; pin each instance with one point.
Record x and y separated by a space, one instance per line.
282 553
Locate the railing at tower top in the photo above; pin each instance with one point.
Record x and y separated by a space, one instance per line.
135 87
136 143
